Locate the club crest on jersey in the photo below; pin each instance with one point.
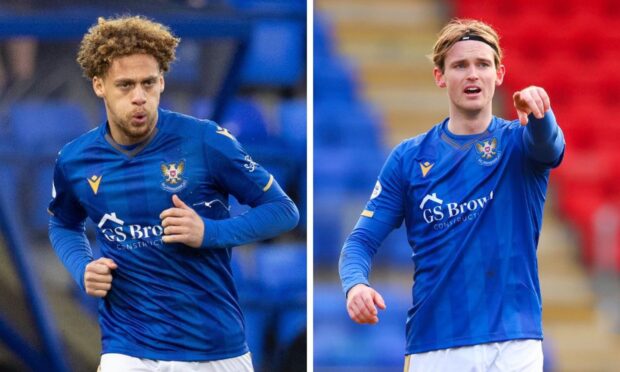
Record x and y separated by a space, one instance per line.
173 176
488 151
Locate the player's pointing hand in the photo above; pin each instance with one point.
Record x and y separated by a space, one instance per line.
98 277
362 303
182 224
531 100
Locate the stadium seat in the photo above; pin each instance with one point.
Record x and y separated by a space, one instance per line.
328 230
39 129
334 80
323 37
281 66
346 124
185 70
271 280
281 271
338 340
292 115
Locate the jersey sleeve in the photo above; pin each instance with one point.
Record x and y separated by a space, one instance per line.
236 173
383 213
386 202
64 205
543 140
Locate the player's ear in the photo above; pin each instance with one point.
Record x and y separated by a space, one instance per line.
98 86
501 72
162 83
439 79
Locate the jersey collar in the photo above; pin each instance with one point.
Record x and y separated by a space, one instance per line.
136 150
463 141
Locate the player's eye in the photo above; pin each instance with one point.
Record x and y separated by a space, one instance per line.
149 83
125 85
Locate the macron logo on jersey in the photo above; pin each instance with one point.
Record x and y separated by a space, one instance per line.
452 213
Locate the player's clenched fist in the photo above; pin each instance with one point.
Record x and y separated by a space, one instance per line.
98 277
362 303
531 100
182 224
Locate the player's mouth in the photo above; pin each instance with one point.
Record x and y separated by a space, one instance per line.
139 118
472 91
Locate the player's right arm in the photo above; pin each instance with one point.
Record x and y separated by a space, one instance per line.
382 214
68 238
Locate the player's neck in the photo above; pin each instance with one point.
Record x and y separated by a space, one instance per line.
461 123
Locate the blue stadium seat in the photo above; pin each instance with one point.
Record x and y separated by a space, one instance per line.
334 80
271 280
275 66
323 37
328 230
39 129
244 118
292 115
353 168
281 270
273 273
185 70
339 342
268 5
346 124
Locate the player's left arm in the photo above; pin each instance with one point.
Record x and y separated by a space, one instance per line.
543 139
272 213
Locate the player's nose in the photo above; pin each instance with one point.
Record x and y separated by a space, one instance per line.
139 96
472 73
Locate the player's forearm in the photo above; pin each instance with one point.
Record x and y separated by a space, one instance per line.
358 251
265 221
543 138
72 247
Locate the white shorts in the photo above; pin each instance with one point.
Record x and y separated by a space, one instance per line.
516 355
120 362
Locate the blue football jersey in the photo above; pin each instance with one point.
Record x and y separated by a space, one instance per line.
168 301
473 207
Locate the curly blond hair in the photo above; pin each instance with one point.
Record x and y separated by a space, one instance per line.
123 36
455 30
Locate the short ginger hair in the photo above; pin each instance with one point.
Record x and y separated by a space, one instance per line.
455 30
124 36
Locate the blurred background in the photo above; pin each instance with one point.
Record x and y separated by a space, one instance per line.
374 88
241 63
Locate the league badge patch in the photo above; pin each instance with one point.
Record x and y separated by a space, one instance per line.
489 154
173 176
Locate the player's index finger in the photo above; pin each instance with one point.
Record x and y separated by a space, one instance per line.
100 268
171 212
546 100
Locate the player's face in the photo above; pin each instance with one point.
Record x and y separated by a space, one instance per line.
470 75
131 89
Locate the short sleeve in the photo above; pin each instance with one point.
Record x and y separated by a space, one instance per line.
386 202
64 205
237 173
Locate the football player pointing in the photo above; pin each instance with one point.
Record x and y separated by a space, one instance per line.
471 192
